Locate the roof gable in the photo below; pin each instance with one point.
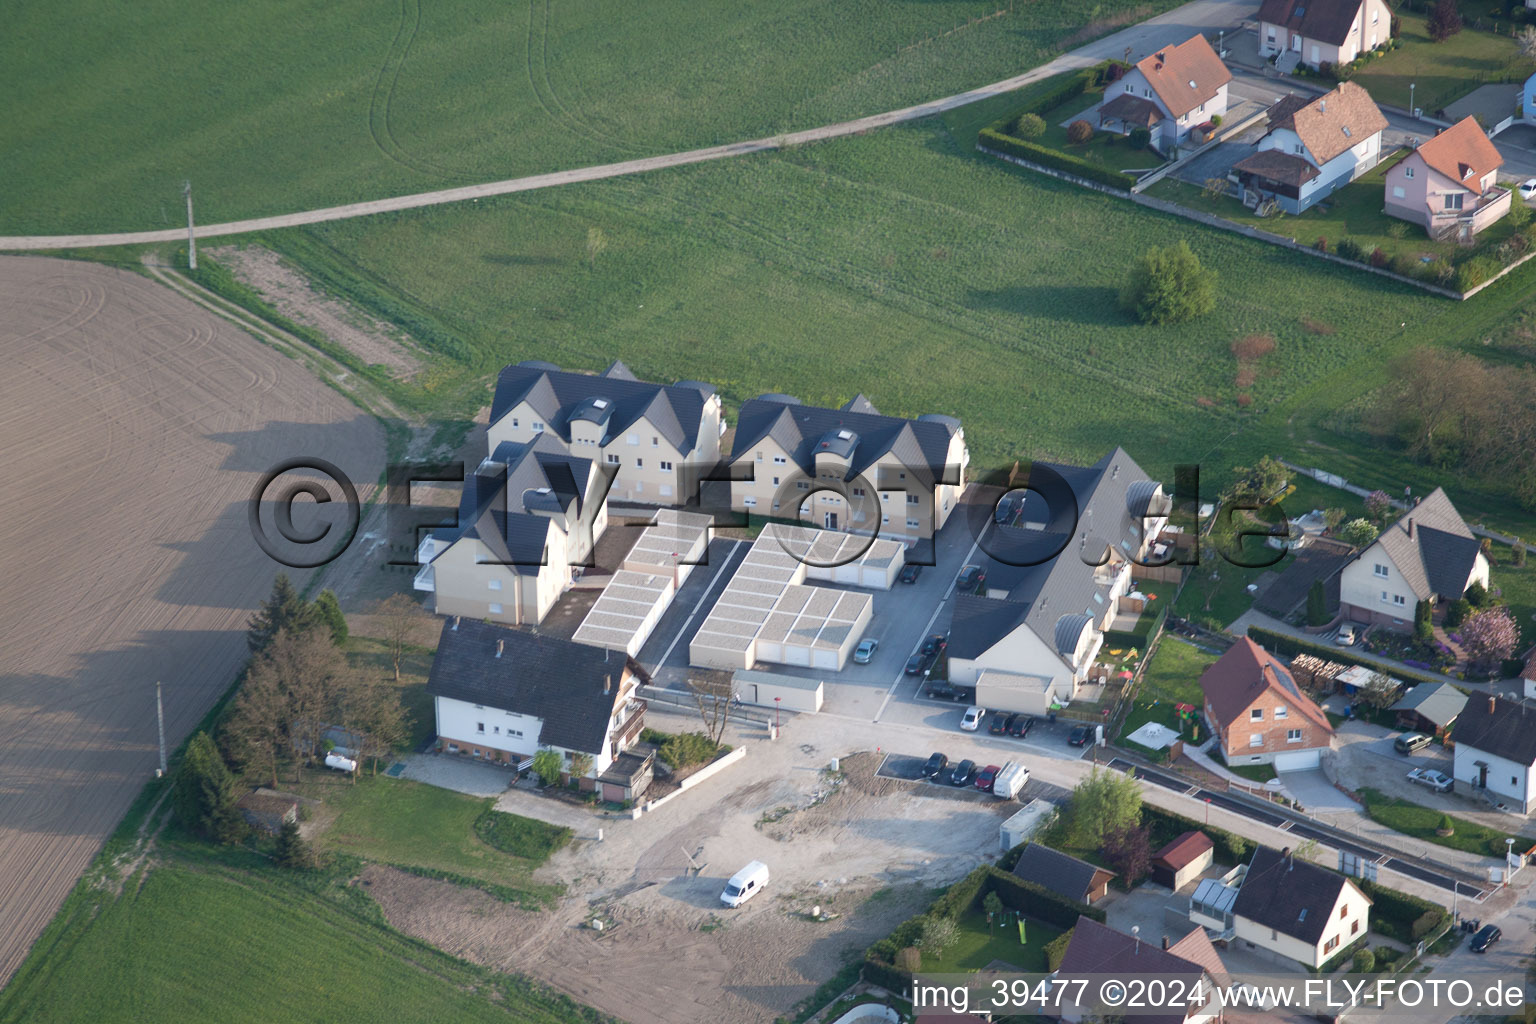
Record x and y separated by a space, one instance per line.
1293 897
676 411
921 445
1332 123
1248 673
1503 728
1326 21
1097 949
1058 872
1463 153
1429 558
1186 75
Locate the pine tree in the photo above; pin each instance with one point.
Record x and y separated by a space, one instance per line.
291 851
285 609
204 794
328 610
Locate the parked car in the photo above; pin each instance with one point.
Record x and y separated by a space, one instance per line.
1080 736
964 772
939 688
1346 637
986 777
1007 509
935 765
865 650
1486 936
916 664
970 578
965 694
934 644
1000 724
1410 743
1435 780
1528 189
909 572
1019 726
972 720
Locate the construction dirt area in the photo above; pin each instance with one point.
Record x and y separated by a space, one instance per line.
135 427
859 852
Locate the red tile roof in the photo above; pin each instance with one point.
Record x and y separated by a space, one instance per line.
1331 123
1184 850
1243 675
1186 75
1462 152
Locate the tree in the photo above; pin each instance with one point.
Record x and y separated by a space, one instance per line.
1317 604
1423 626
1359 533
713 693
291 850
1139 138
1457 612
581 765
284 609
1130 851
328 611
597 244
1477 594
1104 802
1214 188
1079 132
1379 691
401 617
909 959
1260 483
939 933
1378 506
1527 41
258 724
993 905
204 793
1489 637
1168 286
1029 126
1444 20
1332 517
373 713
548 766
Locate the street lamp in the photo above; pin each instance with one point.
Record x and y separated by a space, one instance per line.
1411 108
776 713
1509 858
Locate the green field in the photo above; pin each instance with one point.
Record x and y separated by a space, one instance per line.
1441 72
110 108
199 939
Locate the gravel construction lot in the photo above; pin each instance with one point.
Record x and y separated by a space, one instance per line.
133 428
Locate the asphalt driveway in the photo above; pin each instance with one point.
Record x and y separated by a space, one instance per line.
1315 792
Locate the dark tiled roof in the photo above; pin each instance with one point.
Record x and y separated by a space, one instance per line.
921 445
1059 873
1281 168
1321 559
1440 703
1131 110
557 681
1184 850
1432 560
980 622
676 412
1507 729
1327 21
1097 949
1294 897
1243 674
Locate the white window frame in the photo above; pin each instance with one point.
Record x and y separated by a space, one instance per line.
493 584
495 608
1255 714
1293 736
1255 739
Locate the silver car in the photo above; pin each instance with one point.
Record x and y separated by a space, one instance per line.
865 650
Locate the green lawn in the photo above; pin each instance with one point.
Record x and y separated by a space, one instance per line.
1217 594
396 821
1441 72
1518 590
112 108
198 941
980 944
1420 822
1172 677
1254 772
371 655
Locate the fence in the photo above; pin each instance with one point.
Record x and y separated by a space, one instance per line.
1340 483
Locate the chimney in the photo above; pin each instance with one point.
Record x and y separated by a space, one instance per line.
1322 106
1410 527
607 682
1165 942
500 646
1492 700
1136 934
455 622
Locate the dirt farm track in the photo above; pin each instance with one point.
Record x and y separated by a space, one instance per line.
133 428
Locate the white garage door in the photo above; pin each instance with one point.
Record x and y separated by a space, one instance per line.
825 659
1302 760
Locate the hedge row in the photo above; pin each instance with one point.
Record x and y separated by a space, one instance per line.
1288 646
1053 159
1401 916
1040 903
1056 949
1165 827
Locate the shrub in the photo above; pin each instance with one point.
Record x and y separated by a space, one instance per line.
1444 20
1140 138
887 976
1167 826
1404 265
1114 72
1349 249
1456 612
1359 532
1396 28
1439 271
1477 594
1029 126
1379 258
1216 120
1040 903
1317 604
1325 69
1053 159
686 749
1447 826
1397 914
1056 949
1321 245
1517 553
1475 271
1426 923
1079 132
1365 961
1169 286
909 959
1519 216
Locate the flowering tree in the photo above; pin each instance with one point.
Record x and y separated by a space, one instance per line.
1378 505
1489 637
1358 532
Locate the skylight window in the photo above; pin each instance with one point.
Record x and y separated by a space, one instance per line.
1346 131
599 403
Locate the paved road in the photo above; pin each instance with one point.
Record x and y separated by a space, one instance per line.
1172 27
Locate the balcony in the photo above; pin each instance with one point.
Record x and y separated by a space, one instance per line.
425 580
1477 214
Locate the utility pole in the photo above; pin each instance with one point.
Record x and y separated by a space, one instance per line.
186 188
160 721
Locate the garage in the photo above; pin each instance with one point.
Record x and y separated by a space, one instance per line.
1299 761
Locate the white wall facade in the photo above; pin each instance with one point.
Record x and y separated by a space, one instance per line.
1348 921
1509 780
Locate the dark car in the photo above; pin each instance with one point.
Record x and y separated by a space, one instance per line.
963 773
1486 936
986 777
934 644
939 688
909 572
916 664
965 694
937 762
970 578
1080 736
1000 724
1020 724
1007 509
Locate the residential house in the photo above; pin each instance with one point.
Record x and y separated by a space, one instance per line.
1062 874
528 520
1527 99
657 439
1429 554
1495 753
1294 909
1318 32
1169 92
1056 570
1097 951
850 468
1528 676
502 695
1259 714
1449 184
1183 860
1429 708
1314 146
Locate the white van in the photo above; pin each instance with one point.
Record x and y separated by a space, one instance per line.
745 884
